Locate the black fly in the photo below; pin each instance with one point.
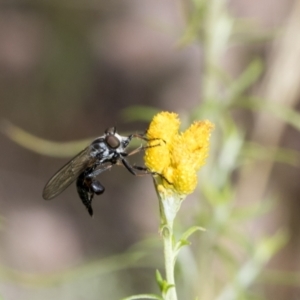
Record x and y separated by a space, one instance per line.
104 152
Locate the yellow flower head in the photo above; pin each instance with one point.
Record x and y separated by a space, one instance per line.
177 156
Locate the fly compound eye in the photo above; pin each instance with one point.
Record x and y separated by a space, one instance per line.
112 141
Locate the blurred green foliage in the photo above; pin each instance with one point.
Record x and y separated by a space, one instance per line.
228 260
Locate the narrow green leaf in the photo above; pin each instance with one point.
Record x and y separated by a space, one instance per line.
255 151
190 231
159 279
246 79
282 112
249 271
144 296
251 211
139 113
166 288
163 284
42 146
194 27
183 241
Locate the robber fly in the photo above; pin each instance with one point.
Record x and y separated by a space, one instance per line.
103 153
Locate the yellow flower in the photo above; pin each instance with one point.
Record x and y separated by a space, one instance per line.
161 133
177 156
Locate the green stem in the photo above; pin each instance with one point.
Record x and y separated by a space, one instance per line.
169 204
169 262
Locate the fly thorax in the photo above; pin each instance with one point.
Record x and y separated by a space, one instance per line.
99 149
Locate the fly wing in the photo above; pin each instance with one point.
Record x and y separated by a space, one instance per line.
68 174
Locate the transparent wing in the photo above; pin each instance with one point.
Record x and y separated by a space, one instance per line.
68 174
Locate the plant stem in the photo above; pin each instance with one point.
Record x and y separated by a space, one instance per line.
169 261
169 204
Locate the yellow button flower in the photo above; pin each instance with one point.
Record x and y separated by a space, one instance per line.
177 156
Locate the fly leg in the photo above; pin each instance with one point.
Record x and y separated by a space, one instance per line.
134 168
141 137
130 167
88 186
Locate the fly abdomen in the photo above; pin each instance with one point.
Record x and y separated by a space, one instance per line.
84 191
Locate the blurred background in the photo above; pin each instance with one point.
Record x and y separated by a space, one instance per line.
70 69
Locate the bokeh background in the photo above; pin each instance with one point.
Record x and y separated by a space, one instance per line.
70 69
